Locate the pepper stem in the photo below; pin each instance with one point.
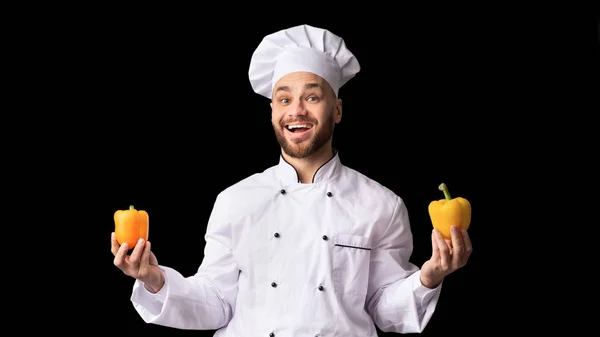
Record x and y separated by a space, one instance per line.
444 189
131 207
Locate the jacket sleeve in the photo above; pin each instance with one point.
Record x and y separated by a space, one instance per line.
204 301
396 299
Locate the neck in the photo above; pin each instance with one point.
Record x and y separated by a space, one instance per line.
308 166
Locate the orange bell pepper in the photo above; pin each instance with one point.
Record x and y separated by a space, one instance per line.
131 225
449 212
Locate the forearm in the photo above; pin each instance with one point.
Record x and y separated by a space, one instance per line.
429 282
155 283
183 303
405 306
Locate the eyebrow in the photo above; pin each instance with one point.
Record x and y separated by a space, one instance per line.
306 86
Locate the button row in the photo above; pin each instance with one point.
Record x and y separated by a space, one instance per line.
329 194
320 287
273 335
324 237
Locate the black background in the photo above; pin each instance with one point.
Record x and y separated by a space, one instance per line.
152 107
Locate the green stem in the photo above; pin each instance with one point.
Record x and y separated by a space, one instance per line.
444 189
131 207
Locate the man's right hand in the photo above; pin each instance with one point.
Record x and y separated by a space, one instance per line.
141 264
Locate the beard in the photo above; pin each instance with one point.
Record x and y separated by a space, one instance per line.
308 147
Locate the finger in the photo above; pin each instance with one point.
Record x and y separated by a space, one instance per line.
136 255
145 259
467 242
114 245
153 260
457 246
120 257
435 250
449 243
443 249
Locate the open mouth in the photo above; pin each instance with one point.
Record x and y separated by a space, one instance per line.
298 128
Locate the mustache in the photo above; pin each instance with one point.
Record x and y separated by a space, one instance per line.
298 120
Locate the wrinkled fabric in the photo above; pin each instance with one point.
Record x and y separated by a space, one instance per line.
329 258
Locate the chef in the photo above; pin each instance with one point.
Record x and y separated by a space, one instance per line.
308 247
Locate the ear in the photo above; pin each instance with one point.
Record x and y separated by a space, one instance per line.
338 111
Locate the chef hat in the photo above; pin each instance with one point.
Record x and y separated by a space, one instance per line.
301 48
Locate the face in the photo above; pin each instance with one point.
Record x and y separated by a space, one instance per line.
304 111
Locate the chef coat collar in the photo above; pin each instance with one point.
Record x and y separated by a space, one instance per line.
288 175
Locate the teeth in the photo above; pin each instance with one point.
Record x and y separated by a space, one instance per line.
297 126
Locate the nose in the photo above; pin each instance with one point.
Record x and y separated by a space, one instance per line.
297 108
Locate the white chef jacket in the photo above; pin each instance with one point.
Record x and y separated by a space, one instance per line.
286 259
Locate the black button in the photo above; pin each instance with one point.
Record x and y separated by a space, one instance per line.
282 191
273 284
325 237
276 235
329 194
320 288
271 335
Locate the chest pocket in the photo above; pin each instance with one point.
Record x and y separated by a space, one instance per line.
350 261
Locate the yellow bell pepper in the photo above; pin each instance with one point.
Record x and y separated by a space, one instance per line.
131 225
449 212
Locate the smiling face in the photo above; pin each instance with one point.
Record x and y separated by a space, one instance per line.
304 111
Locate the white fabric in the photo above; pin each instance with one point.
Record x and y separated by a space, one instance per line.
301 48
363 266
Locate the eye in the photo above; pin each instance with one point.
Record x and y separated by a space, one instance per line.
312 98
284 100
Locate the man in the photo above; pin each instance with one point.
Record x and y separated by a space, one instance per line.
308 247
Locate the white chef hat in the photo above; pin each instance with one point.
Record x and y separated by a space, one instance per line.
301 48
